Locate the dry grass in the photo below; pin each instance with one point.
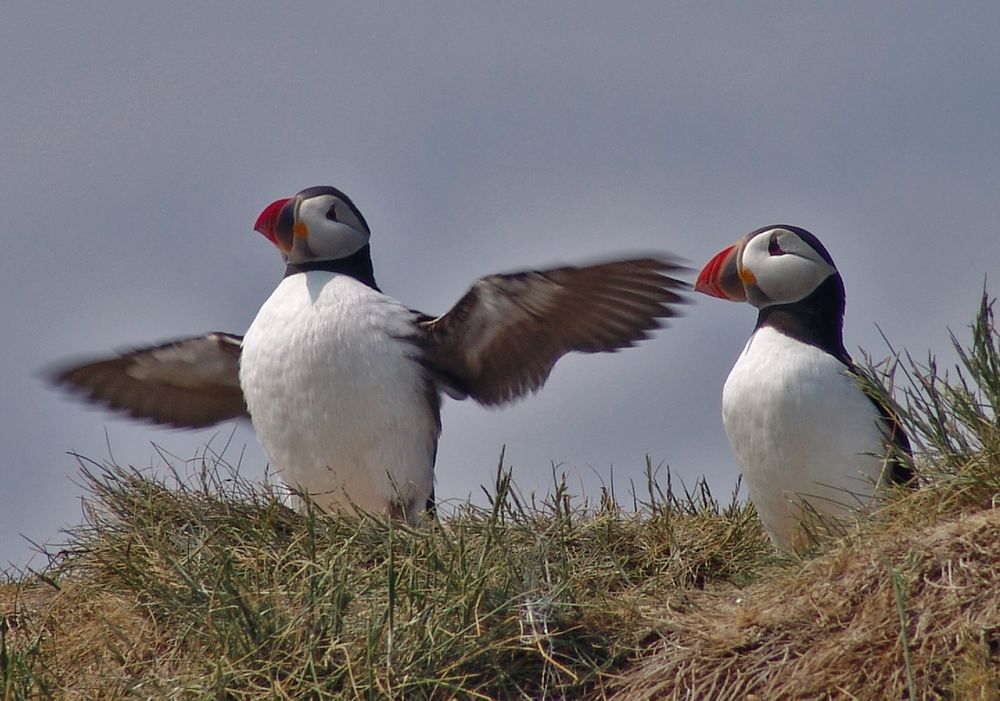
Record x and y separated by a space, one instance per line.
201 585
908 610
217 590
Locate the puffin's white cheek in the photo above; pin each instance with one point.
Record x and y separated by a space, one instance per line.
336 240
788 278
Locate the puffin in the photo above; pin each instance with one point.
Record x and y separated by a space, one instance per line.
343 384
814 448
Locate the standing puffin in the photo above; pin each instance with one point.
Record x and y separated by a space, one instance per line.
342 382
809 440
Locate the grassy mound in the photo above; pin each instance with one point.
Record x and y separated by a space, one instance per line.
218 590
206 586
908 611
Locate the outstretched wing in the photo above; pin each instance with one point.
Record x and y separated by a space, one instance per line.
502 338
187 383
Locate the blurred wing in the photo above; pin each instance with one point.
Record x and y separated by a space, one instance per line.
187 383
502 338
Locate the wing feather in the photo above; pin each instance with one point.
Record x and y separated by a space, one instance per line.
502 338
187 383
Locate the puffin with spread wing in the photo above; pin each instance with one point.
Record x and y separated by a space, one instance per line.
343 383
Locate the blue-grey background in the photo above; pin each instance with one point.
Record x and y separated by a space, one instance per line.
139 141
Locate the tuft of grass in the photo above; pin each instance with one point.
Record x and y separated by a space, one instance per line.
22 673
950 414
209 586
202 585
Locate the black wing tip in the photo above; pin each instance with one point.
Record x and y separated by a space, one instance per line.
654 261
146 420
88 398
58 374
663 265
667 263
660 259
74 377
902 474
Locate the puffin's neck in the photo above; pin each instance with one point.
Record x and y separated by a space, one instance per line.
817 320
358 265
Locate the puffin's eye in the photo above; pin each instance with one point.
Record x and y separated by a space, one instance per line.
773 247
332 212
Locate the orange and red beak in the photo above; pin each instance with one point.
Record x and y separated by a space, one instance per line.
277 223
721 275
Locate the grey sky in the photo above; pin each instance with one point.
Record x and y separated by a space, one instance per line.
140 140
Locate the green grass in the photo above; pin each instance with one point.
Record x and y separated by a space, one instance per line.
195 583
518 599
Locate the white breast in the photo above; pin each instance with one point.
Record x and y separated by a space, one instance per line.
336 397
803 433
